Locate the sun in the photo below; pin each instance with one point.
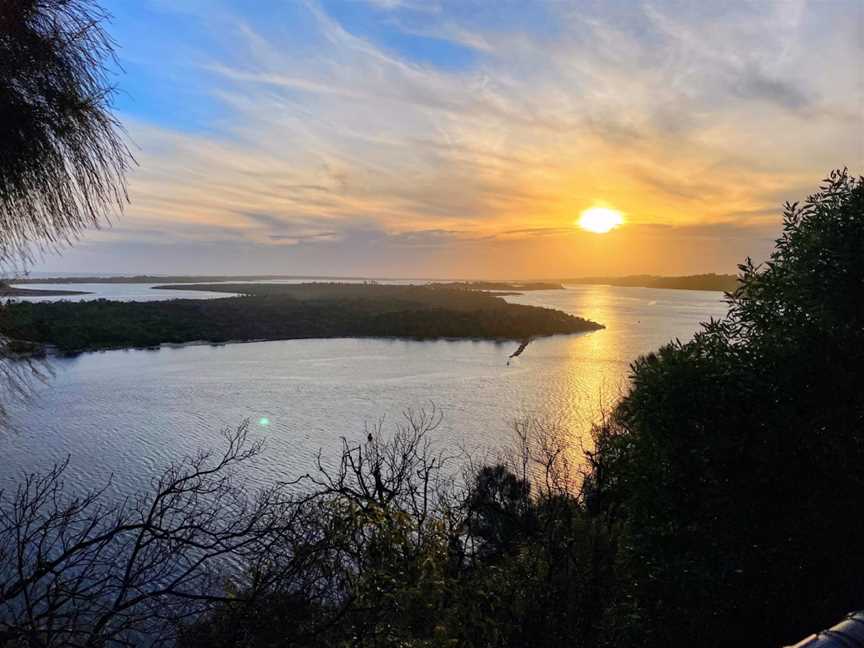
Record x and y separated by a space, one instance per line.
600 220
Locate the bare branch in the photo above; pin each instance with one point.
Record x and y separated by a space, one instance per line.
78 571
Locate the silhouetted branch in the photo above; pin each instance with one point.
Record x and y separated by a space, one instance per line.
62 156
78 570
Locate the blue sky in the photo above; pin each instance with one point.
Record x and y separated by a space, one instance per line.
409 138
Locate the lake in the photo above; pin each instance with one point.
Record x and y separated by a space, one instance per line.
129 413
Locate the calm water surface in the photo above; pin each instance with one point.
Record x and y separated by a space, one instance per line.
129 413
116 292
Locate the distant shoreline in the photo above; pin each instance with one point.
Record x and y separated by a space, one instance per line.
709 281
139 279
171 279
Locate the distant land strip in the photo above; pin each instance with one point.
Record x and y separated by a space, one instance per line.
197 279
281 312
137 279
711 281
721 282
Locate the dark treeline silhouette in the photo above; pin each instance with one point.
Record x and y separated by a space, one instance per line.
733 468
163 279
501 285
719 505
280 311
459 295
711 281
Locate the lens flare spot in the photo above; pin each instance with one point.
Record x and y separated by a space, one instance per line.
264 421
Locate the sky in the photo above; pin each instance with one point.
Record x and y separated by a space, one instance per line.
439 139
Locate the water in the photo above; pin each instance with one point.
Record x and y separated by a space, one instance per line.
116 292
129 413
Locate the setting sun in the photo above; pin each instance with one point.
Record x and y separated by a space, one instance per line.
600 220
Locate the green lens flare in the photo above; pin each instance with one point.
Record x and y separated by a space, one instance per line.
264 421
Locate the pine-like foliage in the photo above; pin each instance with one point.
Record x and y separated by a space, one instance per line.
62 152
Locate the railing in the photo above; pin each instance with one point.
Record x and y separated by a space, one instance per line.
849 633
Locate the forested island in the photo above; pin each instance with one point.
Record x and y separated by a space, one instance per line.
284 311
711 281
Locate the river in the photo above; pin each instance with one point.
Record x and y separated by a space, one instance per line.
129 413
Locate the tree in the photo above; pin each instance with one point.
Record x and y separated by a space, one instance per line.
364 565
62 155
734 463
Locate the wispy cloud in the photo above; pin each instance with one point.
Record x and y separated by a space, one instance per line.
677 114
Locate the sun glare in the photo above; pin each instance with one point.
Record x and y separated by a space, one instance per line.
600 220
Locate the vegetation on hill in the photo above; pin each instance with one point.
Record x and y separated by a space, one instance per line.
732 468
717 282
284 311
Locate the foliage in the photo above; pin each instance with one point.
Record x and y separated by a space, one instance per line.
62 156
424 561
735 462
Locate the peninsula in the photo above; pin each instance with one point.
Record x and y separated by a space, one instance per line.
284 311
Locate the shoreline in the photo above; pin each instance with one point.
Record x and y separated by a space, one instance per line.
50 350
12 291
